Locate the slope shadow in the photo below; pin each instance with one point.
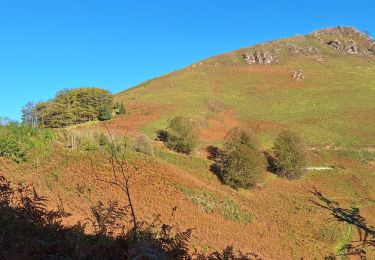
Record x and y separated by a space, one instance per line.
214 155
29 231
350 216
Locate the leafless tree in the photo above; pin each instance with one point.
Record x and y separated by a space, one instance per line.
122 172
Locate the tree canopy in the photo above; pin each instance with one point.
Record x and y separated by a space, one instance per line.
69 107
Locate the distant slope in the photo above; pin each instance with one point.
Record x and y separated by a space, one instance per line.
334 103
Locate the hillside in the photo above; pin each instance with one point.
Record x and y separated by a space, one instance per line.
320 85
332 104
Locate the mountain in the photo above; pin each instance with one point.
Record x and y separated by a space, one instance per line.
328 100
320 85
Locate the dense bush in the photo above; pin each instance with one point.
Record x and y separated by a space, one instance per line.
143 144
70 107
19 142
11 148
290 155
241 161
182 135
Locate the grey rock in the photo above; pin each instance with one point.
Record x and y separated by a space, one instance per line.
336 44
260 57
340 31
307 51
352 47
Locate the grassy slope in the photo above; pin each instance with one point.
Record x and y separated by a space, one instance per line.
334 104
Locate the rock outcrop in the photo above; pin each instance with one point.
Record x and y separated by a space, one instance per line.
350 46
260 57
346 40
340 31
336 44
307 51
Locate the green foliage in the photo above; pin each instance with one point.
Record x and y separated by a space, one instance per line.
290 155
105 113
71 107
143 144
241 161
89 141
11 148
182 135
21 142
120 108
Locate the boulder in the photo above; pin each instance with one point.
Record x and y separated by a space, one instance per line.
298 75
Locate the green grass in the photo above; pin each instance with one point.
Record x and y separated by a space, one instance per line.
358 155
188 163
210 203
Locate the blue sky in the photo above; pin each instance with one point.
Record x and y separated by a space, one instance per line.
49 45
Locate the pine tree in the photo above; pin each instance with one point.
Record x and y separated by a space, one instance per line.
105 113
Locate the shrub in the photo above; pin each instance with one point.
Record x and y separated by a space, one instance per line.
20 142
242 164
143 144
182 135
84 141
10 148
121 110
290 155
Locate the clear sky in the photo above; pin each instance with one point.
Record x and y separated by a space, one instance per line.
48 45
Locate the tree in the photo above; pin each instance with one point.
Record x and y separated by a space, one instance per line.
29 114
182 135
73 106
105 113
241 161
122 171
290 155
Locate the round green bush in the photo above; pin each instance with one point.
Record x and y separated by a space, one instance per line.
242 163
290 155
182 135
